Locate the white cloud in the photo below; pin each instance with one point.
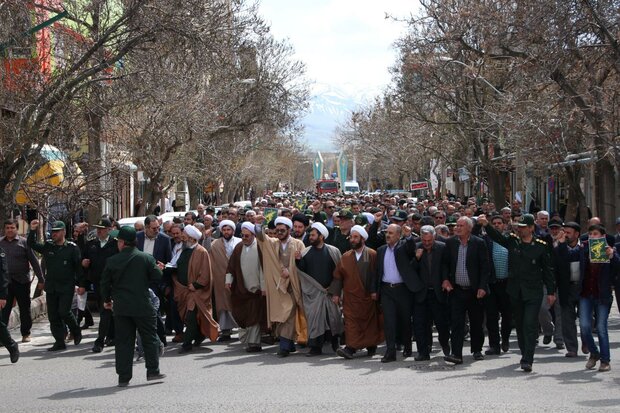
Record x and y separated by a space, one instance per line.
345 43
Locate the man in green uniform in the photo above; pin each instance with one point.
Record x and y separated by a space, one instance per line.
339 236
5 336
125 290
529 267
63 272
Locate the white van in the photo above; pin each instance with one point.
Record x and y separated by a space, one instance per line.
351 187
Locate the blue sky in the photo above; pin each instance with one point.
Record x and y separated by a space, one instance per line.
346 44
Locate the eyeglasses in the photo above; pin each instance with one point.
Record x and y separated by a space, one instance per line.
280 231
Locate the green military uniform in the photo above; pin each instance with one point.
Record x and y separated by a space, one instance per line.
63 272
5 336
336 237
529 268
125 280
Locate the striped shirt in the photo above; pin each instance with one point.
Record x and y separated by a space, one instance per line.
461 275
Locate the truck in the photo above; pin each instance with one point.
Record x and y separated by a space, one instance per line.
327 186
351 187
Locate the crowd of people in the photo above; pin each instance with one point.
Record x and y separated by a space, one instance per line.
349 273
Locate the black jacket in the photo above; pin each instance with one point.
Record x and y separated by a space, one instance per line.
477 261
404 252
438 272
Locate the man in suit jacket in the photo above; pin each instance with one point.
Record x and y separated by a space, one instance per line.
154 242
467 285
397 284
430 302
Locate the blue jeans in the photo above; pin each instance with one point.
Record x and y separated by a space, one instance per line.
587 308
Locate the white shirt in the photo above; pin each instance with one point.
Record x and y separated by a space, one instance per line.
230 245
176 253
358 255
149 245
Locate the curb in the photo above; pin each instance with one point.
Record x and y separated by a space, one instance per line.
38 307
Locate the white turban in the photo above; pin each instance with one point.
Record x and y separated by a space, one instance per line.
227 223
193 232
249 226
284 221
321 228
370 217
360 230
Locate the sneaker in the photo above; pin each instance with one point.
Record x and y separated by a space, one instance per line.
603 367
26 339
594 358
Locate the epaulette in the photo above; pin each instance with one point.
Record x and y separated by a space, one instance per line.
541 241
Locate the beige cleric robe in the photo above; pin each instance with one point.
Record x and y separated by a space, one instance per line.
281 303
219 266
363 321
199 271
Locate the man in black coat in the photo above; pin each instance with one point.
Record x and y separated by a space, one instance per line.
467 285
397 283
430 302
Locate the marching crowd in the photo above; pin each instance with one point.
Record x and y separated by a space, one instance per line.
341 271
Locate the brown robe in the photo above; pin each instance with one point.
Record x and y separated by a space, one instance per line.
199 271
363 321
219 266
248 309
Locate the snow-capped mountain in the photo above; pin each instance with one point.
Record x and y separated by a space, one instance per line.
330 107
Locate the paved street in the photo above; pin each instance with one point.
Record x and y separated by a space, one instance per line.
221 377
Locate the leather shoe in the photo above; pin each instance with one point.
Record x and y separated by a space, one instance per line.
282 353
178 338
371 351
253 349
388 358
26 339
421 357
570 354
224 338
453 359
86 326
14 352
478 356
152 377
547 339
314 352
407 353
109 342
559 346
492 351
505 346
526 367
77 337
123 383
185 349
97 348
57 347
345 353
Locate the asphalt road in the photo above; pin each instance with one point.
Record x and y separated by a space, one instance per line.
222 377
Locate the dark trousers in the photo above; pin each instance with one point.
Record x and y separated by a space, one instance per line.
5 336
106 320
192 331
498 303
425 313
525 314
59 314
20 293
396 304
173 319
464 301
569 318
125 342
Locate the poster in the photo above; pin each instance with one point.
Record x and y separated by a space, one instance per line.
597 250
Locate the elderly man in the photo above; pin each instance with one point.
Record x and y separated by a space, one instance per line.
430 302
284 298
467 285
357 273
246 281
316 265
192 291
221 249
